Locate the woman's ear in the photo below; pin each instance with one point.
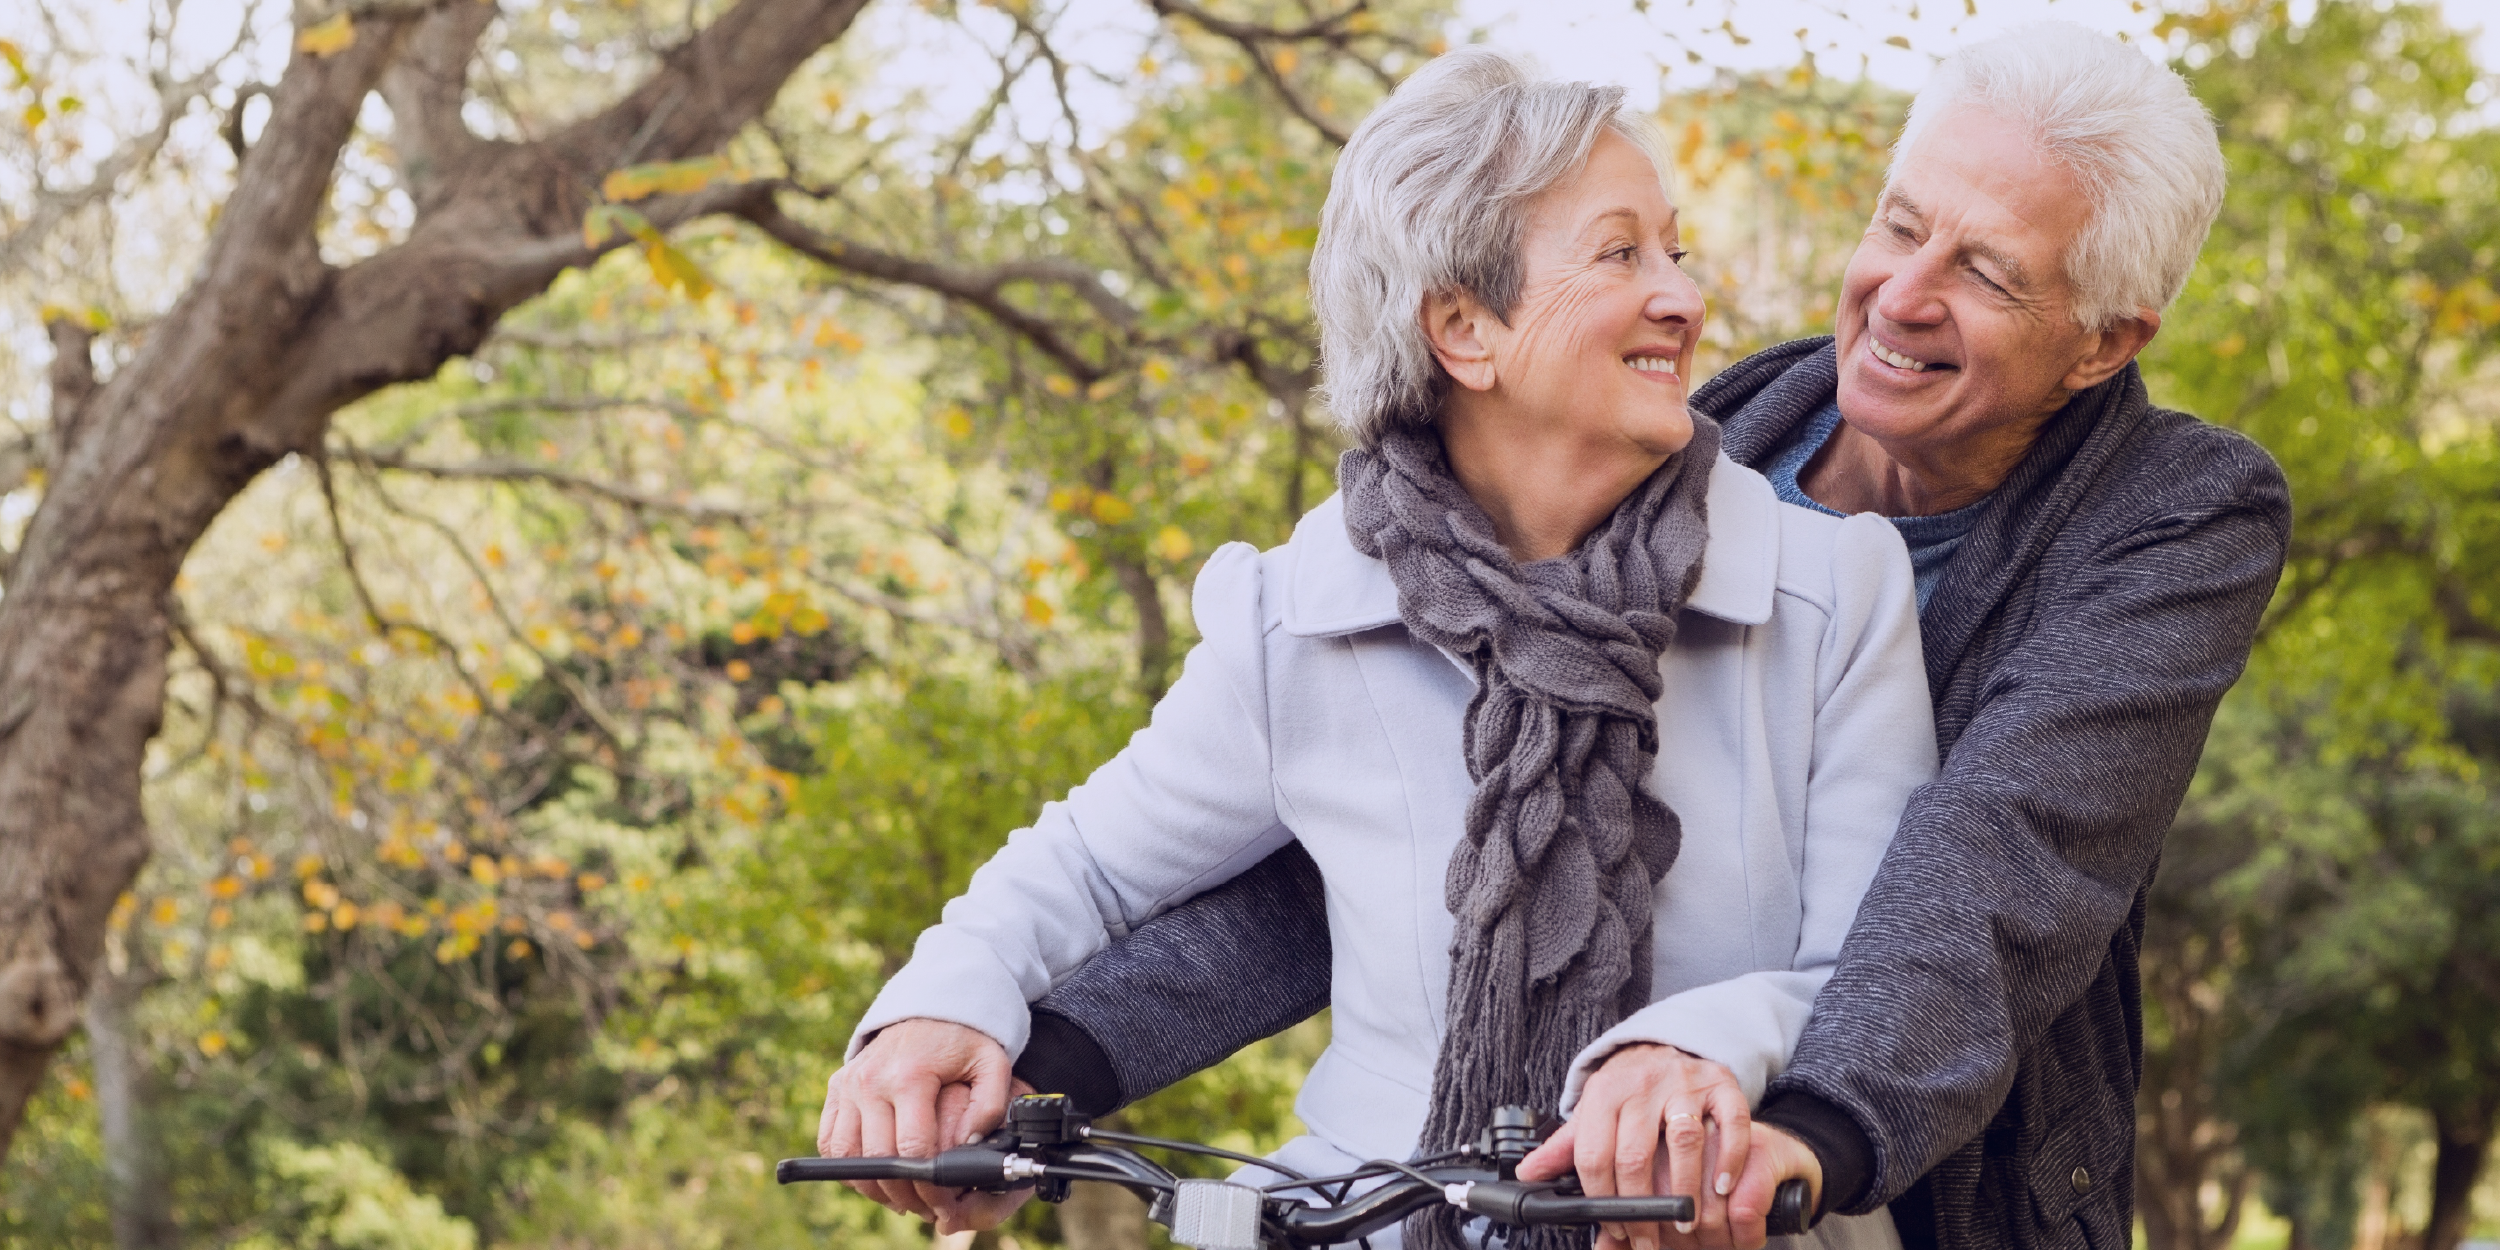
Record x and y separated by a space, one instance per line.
1455 324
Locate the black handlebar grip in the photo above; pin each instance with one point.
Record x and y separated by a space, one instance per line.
1792 1209
790 1170
1559 1209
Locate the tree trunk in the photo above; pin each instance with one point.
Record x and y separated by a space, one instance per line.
2464 1146
141 1200
1154 627
247 368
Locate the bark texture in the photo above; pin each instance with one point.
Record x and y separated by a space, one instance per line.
247 368
141 1199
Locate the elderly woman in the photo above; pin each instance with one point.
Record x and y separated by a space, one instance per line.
1596 744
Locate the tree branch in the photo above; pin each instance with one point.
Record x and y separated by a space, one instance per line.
425 88
173 99
72 376
1249 37
980 287
513 471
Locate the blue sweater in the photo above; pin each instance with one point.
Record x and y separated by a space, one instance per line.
1974 1060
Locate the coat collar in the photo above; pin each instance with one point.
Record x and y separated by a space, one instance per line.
1334 589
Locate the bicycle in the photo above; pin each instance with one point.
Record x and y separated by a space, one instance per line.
1046 1144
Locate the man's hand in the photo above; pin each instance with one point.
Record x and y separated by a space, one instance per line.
920 1087
1647 1096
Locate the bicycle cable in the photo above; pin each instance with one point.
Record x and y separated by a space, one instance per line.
1163 1143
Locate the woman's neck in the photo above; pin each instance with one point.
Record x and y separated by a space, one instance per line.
1544 494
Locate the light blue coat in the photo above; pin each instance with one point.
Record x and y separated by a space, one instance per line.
1794 725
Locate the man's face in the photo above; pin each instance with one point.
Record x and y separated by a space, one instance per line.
1953 320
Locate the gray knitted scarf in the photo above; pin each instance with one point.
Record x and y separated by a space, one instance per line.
1553 885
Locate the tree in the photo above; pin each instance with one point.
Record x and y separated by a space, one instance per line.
270 340
2313 949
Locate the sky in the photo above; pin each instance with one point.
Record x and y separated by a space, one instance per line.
1608 40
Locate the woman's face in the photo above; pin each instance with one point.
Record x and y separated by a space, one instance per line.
1596 348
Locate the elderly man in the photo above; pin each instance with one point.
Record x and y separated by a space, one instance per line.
2090 570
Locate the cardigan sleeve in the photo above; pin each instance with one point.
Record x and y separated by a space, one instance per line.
1874 743
1186 804
2012 872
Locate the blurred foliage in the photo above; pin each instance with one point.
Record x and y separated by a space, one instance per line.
555 768
2322 945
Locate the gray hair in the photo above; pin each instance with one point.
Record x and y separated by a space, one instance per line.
1432 195
2128 129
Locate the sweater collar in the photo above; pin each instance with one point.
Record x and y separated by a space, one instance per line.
1334 589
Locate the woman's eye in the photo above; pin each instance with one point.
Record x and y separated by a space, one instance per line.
1677 256
1628 251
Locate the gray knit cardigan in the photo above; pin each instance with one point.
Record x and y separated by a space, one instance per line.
1974 1059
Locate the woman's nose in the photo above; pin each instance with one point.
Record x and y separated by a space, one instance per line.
1674 297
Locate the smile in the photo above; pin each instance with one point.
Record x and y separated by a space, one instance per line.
1652 364
1899 361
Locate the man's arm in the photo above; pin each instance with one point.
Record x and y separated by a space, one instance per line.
1243 961
2010 874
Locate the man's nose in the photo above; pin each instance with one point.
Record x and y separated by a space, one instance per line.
1913 294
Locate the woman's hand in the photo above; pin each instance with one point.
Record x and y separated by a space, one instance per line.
920 1087
1643 1097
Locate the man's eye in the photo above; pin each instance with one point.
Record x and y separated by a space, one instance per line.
1988 282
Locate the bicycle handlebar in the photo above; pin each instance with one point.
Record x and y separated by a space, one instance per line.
1045 1145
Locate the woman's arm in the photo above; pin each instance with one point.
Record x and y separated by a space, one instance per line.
1188 803
1684 1072
1874 743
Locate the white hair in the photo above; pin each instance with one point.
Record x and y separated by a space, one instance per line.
1431 196
2130 132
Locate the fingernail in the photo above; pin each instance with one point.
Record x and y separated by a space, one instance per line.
1726 1183
1643 1243
1683 1226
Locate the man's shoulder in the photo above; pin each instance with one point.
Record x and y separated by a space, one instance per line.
2176 461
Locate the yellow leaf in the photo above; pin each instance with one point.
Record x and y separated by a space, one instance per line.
1060 385
224 888
1157 371
1898 41
212 1043
327 38
34 115
956 422
166 911
1111 509
591 882
677 271
1286 59
636 182
1102 390
1172 543
344 916
485 870
739 670
307 867
611 221
1038 610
